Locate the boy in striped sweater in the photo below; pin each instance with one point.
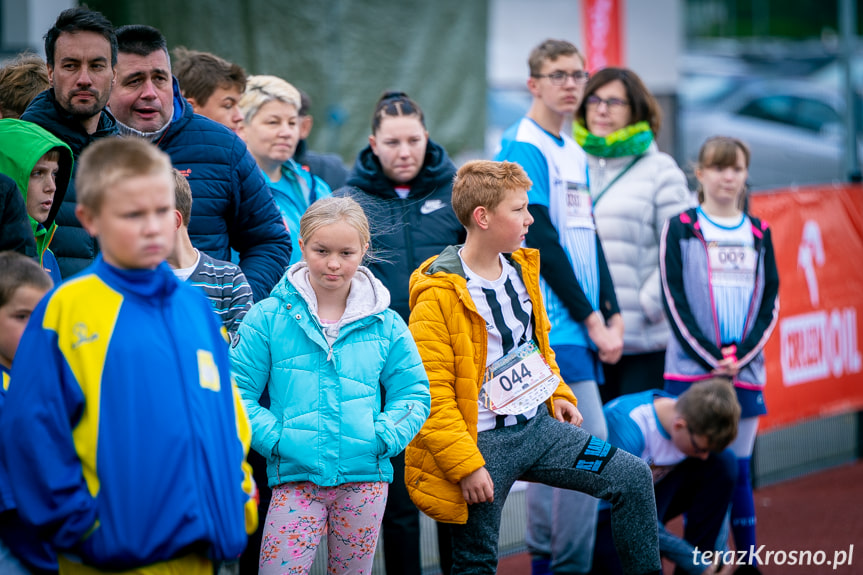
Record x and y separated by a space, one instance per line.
223 282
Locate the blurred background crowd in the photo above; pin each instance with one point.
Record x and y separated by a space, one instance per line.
767 71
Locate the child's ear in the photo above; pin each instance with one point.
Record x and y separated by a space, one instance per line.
87 219
480 217
679 422
178 220
194 103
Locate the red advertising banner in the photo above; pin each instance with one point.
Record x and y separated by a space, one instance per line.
813 357
603 33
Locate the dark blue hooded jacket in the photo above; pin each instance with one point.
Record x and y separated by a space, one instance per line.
232 205
405 232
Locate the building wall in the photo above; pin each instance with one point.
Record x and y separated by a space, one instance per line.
24 22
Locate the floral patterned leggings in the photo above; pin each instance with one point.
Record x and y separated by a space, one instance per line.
300 513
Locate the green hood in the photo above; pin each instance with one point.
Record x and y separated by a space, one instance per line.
22 144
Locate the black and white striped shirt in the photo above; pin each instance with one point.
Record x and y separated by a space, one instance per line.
505 306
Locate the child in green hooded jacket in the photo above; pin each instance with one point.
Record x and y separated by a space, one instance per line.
41 165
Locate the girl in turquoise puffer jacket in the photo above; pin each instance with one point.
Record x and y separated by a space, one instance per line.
330 353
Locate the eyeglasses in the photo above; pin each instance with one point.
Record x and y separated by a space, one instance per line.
594 101
696 449
559 78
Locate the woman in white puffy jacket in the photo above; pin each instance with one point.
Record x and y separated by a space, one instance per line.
635 189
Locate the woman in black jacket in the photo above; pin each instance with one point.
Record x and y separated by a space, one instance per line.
403 181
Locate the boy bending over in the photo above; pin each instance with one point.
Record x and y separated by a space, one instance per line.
500 411
684 440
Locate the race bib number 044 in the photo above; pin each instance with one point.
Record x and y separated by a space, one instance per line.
518 382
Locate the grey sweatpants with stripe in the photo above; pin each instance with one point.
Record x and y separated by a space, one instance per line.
561 523
545 450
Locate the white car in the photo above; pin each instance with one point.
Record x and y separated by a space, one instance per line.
795 131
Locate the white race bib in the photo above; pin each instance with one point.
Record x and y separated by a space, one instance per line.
732 265
579 206
518 382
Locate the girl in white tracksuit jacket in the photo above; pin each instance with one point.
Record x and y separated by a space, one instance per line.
720 288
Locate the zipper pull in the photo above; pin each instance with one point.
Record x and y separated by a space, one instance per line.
330 354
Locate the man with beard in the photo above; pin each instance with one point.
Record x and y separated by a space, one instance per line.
81 51
233 207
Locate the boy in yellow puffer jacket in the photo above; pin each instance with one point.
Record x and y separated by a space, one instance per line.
499 410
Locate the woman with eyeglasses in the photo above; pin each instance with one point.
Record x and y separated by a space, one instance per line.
635 188
403 181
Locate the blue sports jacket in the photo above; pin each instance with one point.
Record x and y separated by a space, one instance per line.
19 536
123 436
233 206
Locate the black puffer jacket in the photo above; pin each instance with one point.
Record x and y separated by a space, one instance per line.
15 232
405 232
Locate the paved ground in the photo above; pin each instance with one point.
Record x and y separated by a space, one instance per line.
821 512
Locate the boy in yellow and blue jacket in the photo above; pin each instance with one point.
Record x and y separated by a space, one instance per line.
123 434
22 284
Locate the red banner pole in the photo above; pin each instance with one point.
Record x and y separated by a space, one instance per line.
603 33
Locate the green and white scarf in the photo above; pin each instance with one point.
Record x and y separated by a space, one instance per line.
632 140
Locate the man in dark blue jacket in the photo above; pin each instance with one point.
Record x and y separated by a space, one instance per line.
81 50
232 207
